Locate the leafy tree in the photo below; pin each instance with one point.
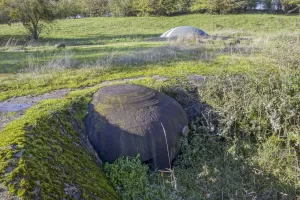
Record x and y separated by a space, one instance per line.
164 7
143 7
33 14
290 6
94 7
183 6
251 4
67 8
4 13
121 8
160 7
217 6
268 5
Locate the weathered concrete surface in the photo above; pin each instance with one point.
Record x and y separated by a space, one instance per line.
126 120
183 31
4 194
22 103
15 108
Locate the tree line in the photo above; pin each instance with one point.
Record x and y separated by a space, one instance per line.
35 14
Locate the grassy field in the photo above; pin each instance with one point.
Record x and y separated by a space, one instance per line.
252 88
89 39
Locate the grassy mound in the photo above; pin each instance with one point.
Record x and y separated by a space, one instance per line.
46 155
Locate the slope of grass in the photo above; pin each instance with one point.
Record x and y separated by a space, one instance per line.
99 30
45 155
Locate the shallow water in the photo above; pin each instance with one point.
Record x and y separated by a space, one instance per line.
14 107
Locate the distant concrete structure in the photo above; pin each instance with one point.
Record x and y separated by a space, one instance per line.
127 119
183 31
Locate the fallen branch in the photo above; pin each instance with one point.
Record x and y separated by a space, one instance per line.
292 10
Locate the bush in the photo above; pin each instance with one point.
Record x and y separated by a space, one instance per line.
133 180
129 177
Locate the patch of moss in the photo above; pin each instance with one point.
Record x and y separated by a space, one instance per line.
9 114
46 155
78 78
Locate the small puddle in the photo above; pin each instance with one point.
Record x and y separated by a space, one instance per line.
14 107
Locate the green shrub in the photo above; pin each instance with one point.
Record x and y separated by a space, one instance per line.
129 176
133 180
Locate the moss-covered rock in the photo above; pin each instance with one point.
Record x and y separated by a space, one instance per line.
46 154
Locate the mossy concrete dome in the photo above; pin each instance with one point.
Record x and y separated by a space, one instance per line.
126 120
183 31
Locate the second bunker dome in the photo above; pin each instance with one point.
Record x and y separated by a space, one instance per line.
127 119
183 31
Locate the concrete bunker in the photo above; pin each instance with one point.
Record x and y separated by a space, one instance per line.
184 31
127 119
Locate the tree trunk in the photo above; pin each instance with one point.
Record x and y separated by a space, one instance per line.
35 31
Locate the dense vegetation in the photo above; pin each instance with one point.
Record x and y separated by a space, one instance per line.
68 8
244 145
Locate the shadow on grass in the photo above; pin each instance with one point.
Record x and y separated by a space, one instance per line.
93 40
214 167
77 41
15 59
217 168
211 166
220 170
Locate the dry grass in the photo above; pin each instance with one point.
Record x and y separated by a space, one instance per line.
65 61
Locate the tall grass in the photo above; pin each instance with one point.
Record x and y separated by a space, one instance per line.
247 146
65 61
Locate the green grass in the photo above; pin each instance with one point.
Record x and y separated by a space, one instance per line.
93 33
22 57
89 77
254 89
99 30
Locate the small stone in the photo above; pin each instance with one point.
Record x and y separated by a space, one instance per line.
19 155
185 131
194 127
60 45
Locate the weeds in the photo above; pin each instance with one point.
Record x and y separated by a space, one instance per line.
65 61
10 44
262 110
169 170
